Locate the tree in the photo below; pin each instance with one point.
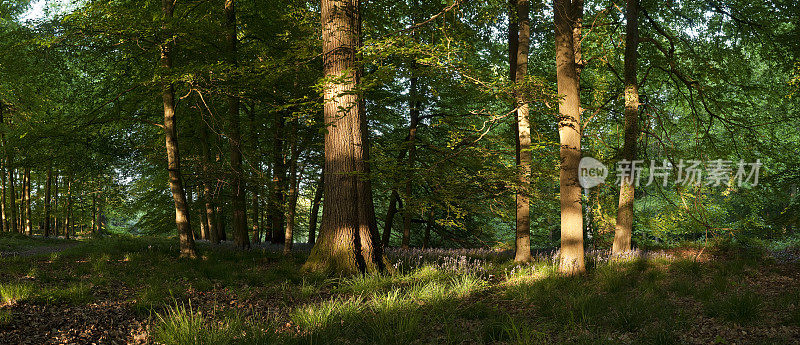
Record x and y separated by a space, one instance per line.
185 235
624 226
348 241
569 130
523 130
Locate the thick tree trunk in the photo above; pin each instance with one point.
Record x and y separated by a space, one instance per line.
27 196
624 226
569 130
238 203
523 236
210 216
47 185
187 247
312 218
277 201
348 241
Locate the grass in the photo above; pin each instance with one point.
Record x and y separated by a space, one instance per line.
16 242
257 297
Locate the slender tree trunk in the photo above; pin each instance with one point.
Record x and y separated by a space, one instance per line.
27 189
569 130
348 241
414 105
624 226
68 218
187 247
277 202
428 225
203 217
255 190
312 218
523 129
47 201
291 205
56 222
238 203
94 214
221 221
210 217
3 187
394 199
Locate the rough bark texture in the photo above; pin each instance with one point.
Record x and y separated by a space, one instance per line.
523 129
312 219
569 130
47 185
186 239
348 241
624 226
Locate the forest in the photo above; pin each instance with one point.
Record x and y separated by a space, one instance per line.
399 172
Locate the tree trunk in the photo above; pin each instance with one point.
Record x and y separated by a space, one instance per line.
221 221
390 213
414 105
47 201
68 218
291 205
210 217
624 226
94 214
27 196
238 203
523 129
277 201
312 218
428 225
4 220
187 248
569 130
348 241
255 190
203 217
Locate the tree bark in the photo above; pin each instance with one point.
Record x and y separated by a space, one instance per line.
312 219
27 190
47 201
255 190
428 226
523 224
238 203
54 208
68 218
414 105
210 217
348 241
624 226
390 213
187 247
277 201
569 130
4 225
291 205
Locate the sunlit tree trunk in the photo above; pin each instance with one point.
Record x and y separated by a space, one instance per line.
624 226
312 218
27 190
4 220
523 129
187 247
348 241
569 130
47 185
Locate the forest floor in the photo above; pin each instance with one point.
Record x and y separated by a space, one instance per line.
136 290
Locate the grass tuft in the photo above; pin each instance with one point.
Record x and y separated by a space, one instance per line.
15 292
